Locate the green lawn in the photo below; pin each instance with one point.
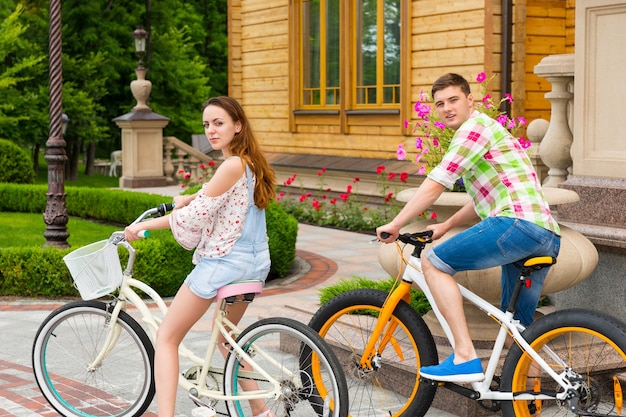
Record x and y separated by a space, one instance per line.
26 229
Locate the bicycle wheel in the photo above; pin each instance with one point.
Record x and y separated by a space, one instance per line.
346 323
64 349
593 348
310 377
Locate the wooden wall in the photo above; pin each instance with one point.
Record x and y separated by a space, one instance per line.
463 36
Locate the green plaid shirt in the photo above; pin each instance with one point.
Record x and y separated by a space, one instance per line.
497 172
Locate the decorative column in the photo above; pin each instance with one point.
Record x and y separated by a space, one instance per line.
56 216
555 146
142 131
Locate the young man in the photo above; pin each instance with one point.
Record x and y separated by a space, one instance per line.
515 220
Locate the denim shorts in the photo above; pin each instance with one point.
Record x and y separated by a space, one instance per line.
244 262
500 241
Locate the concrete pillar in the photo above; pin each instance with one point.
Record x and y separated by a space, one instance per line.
142 149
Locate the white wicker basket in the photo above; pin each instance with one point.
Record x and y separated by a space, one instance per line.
95 268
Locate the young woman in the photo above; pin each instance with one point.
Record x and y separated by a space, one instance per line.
225 223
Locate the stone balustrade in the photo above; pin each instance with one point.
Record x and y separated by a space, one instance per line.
178 156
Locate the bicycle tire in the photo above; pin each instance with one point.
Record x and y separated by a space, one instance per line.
319 387
69 339
394 389
592 344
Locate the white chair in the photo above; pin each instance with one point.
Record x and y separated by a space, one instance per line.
116 161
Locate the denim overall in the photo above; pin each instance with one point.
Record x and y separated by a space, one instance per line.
248 260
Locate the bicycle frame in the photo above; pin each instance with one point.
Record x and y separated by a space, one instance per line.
508 325
221 325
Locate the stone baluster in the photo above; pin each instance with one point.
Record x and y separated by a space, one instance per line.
557 142
168 166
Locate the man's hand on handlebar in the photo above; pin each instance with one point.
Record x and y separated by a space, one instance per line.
387 233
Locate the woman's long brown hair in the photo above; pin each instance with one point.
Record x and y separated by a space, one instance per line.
245 146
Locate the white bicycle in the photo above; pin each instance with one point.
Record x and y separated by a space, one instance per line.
570 362
92 358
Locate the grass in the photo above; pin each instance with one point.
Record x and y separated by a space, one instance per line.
26 229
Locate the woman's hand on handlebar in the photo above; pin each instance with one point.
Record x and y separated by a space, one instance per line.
132 232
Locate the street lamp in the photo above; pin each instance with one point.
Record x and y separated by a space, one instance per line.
56 216
140 36
141 87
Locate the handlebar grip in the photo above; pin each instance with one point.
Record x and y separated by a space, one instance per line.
384 235
164 208
143 233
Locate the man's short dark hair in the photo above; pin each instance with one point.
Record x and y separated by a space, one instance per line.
451 80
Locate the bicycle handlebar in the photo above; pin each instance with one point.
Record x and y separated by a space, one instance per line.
417 239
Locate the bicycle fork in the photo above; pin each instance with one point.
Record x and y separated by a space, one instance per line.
369 359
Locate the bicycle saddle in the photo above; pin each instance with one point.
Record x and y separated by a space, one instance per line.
247 289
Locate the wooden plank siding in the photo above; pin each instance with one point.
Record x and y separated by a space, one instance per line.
461 36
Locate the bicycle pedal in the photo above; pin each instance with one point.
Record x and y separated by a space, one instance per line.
203 412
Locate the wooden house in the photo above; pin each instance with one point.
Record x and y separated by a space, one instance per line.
333 81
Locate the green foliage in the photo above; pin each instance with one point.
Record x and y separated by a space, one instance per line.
282 230
16 165
419 302
187 58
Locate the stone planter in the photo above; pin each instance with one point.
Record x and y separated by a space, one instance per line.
576 261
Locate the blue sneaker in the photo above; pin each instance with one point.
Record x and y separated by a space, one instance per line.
447 371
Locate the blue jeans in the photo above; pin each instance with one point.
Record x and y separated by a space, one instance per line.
500 241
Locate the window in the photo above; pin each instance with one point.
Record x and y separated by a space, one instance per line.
372 45
320 53
377 52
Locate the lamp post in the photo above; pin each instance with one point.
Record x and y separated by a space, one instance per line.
141 87
55 215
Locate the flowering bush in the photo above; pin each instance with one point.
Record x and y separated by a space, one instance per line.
434 137
205 171
344 208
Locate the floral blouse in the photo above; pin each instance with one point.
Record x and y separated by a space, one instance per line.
212 224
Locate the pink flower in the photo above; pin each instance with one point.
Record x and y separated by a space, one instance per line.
406 124
503 119
486 98
440 125
521 121
508 97
187 175
418 143
349 189
344 197
435 142
421 170
316 205
481 77
401 152
433 216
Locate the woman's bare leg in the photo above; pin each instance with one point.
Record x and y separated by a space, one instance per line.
186 309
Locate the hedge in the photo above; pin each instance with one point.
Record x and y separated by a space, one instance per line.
162 262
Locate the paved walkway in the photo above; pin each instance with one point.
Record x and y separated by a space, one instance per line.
325 256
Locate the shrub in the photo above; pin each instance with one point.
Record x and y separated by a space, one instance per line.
162 262
16 164
419 302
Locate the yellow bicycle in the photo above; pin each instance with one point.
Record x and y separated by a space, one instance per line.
570 362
